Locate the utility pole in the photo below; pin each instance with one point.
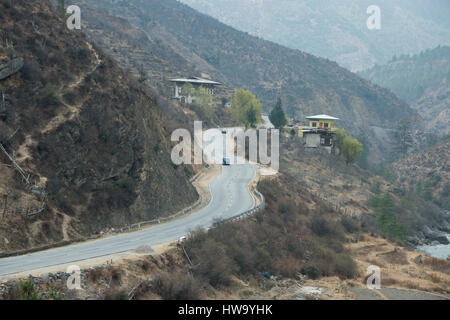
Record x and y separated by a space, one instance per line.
224 144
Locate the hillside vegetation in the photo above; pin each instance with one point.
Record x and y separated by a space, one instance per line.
422 80
388 200
83 130
428 174
316 230
307 84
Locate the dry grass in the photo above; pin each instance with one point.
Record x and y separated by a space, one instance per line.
386 282
437 264
176 286
376 262
145 266
115 294
402 268
115 275
435 278
94 275
395 257
411 285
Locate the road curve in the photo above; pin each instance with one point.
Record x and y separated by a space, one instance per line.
230 197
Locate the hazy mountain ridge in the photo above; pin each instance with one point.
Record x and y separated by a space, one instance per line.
307 84
422 80
337 29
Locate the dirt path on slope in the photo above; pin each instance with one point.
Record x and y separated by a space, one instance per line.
72 111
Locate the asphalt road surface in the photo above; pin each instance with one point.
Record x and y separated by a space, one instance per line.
230 197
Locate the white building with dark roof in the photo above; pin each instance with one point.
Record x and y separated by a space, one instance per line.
196 82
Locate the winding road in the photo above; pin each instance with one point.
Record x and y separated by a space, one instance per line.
230 197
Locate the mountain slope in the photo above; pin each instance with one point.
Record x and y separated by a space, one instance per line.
337 29
307 85
132 48
428 174
84 131
423 81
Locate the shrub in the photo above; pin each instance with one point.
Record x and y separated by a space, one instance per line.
48 95
30 71
350 225
288 266
127 184
215 265
386 172
329 263
311 271
80 54
94 275
446 190
10 52
321 227
438 264
278 240
178 286
112 294
146 266
435 278
54 295
41 54
445 196
28 291
120 192
116 276
344 267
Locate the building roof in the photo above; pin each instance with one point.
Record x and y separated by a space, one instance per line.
322 117
195 80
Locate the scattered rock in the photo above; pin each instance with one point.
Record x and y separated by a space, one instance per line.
311 291
418 259
10 68
437 237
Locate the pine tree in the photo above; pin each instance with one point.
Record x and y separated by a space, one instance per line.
277 116
404 137
386 218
